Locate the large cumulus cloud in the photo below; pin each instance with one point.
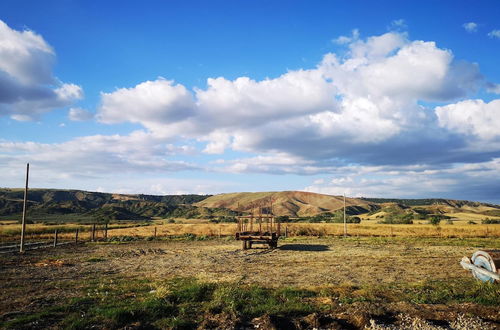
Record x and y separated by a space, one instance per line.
27 85
368 103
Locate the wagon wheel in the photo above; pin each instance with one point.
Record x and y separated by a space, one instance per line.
488 260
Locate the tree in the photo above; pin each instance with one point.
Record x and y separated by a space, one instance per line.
435 220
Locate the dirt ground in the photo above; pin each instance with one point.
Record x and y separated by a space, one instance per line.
43 276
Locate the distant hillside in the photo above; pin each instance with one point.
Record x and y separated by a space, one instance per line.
76 205
425 209
290 203
429 201
53 204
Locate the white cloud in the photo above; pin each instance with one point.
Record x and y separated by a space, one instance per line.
462 181
149 103
363 101
345 40
493 88
218 142
25 56
27 85
78 114
97 155
398 24
246 102
391 66
376 47
470 27
472 117
276 163
494 34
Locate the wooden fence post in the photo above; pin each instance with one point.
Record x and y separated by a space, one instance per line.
106 231
93 232
76 236
286 232
155 231
55 238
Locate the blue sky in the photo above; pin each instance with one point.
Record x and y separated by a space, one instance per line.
379 99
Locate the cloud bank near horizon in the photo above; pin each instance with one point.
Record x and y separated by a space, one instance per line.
390 116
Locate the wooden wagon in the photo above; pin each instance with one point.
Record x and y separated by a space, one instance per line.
258 229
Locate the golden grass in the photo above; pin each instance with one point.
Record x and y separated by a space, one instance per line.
321 229
40 231
414 230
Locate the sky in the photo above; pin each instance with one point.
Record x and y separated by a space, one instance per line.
394 99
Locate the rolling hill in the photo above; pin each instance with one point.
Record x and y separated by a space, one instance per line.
290 203
70 205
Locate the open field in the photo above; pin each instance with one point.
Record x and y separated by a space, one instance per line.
9 232
329 282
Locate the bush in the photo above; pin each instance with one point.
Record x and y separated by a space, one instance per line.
227 219
26 221
435 220
337 217
283 218
490 221
398 219
354 219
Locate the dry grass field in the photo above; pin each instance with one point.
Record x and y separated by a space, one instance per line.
199 282
203 228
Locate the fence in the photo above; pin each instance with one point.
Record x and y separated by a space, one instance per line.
96 233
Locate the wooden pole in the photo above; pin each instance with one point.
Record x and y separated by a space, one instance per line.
93 232
25 205
345 222
286 231
155 232
106 231
76 236
55 238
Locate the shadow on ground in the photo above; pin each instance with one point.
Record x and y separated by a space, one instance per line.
304 247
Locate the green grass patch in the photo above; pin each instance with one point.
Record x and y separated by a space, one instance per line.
453 291
252 301
185 302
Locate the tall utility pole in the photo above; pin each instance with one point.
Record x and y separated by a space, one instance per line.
345 223
25 205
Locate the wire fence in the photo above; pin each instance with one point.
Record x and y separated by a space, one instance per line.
97 233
